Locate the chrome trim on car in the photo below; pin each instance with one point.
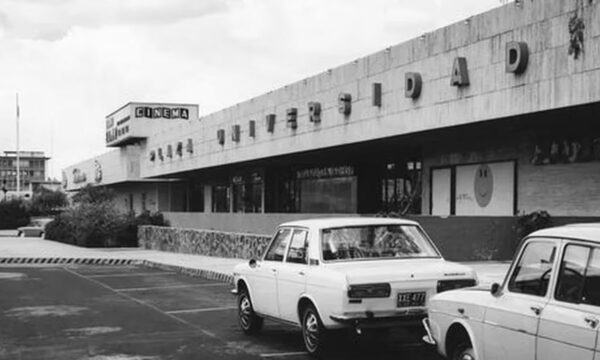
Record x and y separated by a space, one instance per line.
429 337
386 318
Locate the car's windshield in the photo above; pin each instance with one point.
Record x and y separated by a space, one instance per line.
375 241
40 222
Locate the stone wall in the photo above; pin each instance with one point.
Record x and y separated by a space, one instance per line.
459 238
202 242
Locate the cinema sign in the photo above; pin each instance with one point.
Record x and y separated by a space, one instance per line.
162 112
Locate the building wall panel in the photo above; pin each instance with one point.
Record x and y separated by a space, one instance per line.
553 80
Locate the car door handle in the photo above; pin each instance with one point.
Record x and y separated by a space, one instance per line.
301 273
274 270
536 309
591 321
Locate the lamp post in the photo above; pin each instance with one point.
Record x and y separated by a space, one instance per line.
18 159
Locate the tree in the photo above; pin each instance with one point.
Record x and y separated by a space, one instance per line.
13 214
93 195
46 202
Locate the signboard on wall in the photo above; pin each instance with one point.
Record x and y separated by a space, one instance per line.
136 121
325 172
486 189
164 112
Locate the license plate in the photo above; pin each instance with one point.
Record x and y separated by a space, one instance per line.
411 299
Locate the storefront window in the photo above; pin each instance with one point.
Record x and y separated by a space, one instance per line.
220 198
400 187
327 190
247 193
336 195
289 195
196 199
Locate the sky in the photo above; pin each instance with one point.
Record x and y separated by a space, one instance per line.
75 61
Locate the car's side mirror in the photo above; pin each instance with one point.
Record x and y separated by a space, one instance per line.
495 290
252 263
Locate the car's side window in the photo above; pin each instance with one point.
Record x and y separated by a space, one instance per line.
277 249
298 247
532 273
579 279
591 287
571 278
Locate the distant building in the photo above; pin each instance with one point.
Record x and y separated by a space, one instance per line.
32 168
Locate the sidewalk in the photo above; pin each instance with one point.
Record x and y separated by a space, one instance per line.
16 251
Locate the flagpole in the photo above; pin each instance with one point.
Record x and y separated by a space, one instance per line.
18 159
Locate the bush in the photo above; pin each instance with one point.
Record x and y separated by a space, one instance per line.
47 202
99 224
156 219
86 224
93 195
127 233
94 221
528 223
13 214
60 229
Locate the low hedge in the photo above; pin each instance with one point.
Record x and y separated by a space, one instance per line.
99 225
13 214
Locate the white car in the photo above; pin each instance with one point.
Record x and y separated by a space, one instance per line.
36 228
355 273
547 308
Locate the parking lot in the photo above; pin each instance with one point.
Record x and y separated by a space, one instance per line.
136 313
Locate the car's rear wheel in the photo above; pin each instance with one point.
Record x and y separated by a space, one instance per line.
313 332
464 352
249 322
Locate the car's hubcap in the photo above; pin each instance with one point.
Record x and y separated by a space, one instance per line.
466 357
311 331
245 311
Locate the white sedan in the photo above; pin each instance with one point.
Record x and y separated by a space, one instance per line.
326 274
548 306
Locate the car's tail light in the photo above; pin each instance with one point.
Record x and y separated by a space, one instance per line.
445 285
362 291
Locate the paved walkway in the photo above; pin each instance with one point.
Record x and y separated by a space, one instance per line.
212 267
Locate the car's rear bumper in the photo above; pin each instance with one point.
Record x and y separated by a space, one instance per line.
373 320
30 232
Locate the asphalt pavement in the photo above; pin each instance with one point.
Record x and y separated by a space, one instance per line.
138 313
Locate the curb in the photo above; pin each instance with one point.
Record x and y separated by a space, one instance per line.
202 273
85 261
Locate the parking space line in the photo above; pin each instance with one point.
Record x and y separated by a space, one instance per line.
171 287
180 320
130 274
283 354
191 311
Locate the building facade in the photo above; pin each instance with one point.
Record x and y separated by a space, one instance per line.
491 117
32 168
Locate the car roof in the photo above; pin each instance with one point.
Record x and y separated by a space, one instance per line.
583 231
324 223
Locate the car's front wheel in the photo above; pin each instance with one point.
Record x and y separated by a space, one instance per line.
313 332
249 322
464 352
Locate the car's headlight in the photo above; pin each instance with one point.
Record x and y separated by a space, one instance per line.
362 291
445 285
